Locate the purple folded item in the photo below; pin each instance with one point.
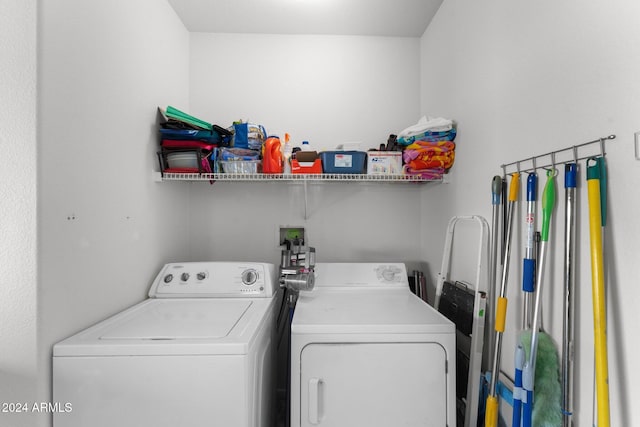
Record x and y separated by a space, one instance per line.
432 173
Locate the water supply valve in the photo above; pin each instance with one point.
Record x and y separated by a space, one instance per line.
297 265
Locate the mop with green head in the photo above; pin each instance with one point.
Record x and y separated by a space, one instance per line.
540 371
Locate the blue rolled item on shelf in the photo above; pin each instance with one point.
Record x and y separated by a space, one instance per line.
208 136
448 135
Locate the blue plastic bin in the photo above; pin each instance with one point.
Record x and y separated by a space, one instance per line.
343 161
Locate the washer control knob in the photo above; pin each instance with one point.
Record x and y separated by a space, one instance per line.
202 275
249 277
168 278
184 277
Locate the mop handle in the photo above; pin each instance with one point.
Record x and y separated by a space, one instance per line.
548 203
496 193
527 393
529 263
598 293
517 386
501 314
532 187
570 184
491 411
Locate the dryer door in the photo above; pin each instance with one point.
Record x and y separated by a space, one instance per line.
373 384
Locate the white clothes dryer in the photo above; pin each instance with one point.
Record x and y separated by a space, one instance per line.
365 351
198 352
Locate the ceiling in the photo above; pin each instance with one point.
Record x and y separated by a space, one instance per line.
401 18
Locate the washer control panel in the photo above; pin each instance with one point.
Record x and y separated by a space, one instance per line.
214 279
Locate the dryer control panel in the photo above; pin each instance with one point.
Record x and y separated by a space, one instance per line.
214 279
361 275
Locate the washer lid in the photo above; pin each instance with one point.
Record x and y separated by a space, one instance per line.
181 326
181 319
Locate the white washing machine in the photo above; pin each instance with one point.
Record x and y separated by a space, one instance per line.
365 351
198 352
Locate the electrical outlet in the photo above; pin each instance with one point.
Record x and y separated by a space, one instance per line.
291 234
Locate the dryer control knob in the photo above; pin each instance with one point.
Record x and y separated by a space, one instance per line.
168 278
202 275
249 277
184 277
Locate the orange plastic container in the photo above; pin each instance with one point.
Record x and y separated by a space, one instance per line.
272 156
306 167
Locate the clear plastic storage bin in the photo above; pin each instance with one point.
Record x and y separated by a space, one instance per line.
240 166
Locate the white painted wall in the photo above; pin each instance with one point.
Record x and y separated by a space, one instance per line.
105 226
325 89
346 221
524 79
18 206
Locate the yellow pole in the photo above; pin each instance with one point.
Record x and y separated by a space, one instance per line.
599 303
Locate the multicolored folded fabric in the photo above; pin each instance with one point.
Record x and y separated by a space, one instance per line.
428 155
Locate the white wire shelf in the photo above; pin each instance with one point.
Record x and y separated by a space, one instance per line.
325 177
